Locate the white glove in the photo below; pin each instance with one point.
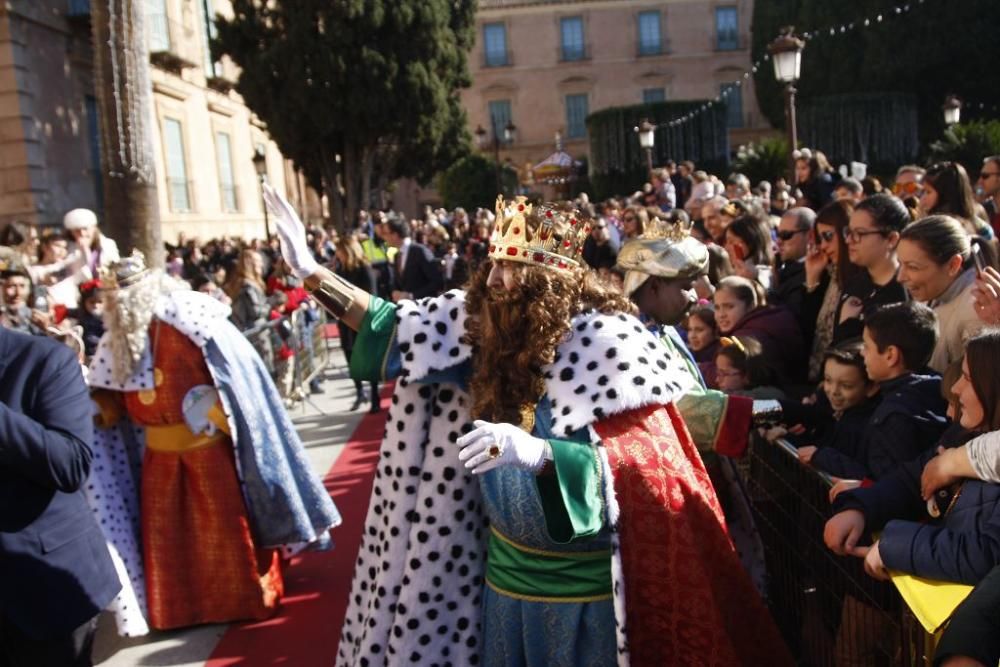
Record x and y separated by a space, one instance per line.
292 234
492 445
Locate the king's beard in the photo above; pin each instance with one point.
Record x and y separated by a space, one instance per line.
514 336
128 312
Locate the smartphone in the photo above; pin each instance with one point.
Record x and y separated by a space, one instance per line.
977 256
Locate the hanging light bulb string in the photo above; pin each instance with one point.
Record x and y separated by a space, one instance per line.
809 36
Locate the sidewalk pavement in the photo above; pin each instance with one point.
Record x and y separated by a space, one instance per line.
324 423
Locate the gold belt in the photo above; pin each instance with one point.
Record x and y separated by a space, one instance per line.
178 438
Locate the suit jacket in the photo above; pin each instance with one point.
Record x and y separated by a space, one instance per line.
421 275
57 572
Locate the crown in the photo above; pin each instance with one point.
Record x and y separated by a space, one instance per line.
124 272
674 231
543 236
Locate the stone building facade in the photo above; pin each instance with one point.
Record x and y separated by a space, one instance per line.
545 65
204 137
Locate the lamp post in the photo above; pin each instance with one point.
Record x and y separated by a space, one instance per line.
952 110
786 52
509 136
647 139
260 166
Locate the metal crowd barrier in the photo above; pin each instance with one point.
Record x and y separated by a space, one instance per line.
305 334
829 611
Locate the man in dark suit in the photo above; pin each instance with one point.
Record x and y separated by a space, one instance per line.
57 572
418 272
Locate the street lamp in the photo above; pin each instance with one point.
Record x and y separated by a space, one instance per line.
786 52
260 166
952 110
509 136
647 139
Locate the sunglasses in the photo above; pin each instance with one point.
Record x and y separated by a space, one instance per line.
855 236
785 235
827 236
906 189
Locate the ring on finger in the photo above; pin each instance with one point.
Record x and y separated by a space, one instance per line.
494 451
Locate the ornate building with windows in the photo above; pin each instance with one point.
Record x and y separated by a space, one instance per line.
544 65
204 137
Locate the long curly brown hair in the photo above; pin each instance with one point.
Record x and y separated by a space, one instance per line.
514 333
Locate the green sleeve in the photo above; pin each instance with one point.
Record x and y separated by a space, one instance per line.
375 356
703 410
572 498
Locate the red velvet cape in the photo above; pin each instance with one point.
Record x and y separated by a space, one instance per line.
688 599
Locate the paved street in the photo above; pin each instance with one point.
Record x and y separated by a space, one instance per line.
324 425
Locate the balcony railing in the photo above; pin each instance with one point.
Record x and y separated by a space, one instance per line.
661 48
498 59
729 42
567 54
164 40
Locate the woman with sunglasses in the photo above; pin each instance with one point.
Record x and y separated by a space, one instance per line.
948 190
827 269
936 266
871 238
634 221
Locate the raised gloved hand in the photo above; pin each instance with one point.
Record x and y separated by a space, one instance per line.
492 445
292 234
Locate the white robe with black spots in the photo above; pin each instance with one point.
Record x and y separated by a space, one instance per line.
417 588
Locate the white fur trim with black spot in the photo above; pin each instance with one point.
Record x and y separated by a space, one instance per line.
610 364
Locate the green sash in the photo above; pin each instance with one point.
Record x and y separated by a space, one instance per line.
536 575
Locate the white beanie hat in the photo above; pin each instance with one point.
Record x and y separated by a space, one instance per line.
79 218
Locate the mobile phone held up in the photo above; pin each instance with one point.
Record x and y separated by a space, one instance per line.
977 256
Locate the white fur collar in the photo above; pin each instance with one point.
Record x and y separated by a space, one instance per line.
608 363
192 313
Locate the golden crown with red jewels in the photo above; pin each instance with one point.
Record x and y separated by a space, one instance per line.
542 236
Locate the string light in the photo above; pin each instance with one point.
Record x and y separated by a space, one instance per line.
808 36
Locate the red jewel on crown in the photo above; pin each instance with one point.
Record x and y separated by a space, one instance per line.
512 251
538 257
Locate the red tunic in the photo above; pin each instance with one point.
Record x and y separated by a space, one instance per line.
200 561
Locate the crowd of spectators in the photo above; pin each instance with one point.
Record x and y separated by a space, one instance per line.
845 300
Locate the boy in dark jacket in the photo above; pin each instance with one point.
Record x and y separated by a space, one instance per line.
836 423
897 343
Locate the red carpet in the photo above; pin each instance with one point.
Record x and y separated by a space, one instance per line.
307 628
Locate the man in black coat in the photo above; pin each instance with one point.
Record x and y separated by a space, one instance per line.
57 572
794 233
418 272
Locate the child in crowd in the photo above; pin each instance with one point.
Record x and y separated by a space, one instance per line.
959 542
703 340
741 369
898 340
836 423
90 315
284 369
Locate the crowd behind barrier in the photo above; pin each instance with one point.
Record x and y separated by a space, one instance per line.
303 334
800 300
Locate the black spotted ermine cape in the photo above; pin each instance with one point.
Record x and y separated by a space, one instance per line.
417 588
